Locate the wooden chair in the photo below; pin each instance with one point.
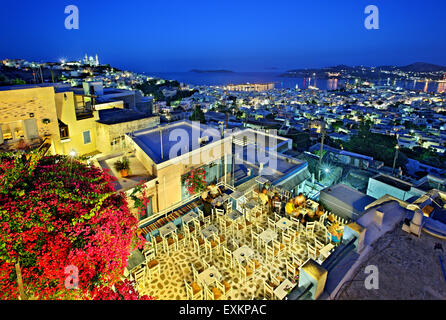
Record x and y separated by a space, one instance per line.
318 245
291 271
219 212
323 218
297 262
170 243
245 273
211 245
259 229
195 273
222 227
279 248
152 264
295 232
205 264
277 217
296 223
140 277
198 245
222 240
287 241
311 251
181 240
213 293
225 287
257 214
228 257
197 228
157 243
201 217
271 224
193 291
277 207
268 291
241 227
249 223
309 230
255 241
234 244
270 253
228 207
254 265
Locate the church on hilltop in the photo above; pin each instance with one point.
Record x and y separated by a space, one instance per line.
94 62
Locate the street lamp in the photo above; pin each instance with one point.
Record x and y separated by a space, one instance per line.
397 148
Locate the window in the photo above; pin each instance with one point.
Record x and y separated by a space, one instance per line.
87 137
63 129
149 210
7 133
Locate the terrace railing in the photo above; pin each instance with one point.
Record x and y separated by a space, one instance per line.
171 209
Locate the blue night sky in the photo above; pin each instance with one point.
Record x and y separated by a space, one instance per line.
242 35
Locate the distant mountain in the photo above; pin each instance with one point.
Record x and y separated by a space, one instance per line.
210 71
422 67
341 71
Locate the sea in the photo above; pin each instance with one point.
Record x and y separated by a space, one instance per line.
219 79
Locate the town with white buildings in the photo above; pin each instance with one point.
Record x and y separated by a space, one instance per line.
301 184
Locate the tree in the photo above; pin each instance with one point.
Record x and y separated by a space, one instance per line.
58 215
337 124
198 115
18 81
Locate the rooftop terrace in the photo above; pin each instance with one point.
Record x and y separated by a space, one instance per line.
158 143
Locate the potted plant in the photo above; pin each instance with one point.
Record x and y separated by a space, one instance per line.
195 181
123 166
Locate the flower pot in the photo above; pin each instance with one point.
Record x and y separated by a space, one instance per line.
124 173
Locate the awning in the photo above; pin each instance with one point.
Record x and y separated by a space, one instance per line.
296 180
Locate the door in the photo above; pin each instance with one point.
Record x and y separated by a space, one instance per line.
31 131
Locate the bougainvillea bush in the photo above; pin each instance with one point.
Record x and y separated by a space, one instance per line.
59 216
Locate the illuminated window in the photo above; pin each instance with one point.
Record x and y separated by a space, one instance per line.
87 137
7 133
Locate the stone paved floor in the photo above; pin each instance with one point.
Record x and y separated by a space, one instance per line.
176 267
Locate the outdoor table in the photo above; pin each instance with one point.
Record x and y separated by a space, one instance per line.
325 251
222 199
243 253
304 211
135 260
167 229
234 215
188 217
268 235
284 224
251 204
209 276
282 290
311 205
209 231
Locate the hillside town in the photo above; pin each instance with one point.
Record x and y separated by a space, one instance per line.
295 186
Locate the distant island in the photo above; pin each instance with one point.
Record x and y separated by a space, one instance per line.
432 71
210 71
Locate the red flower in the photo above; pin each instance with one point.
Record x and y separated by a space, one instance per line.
58 215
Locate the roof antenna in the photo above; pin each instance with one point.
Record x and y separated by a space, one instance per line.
161 140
